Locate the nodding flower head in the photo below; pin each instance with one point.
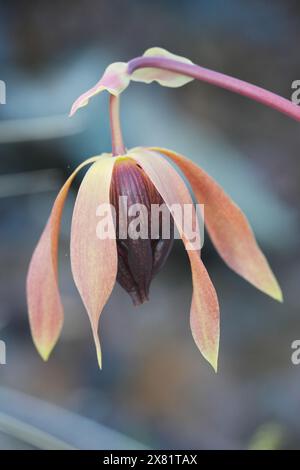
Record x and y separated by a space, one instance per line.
126 186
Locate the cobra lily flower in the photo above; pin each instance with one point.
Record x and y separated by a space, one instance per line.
145 175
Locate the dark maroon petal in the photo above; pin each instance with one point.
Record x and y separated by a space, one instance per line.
138 259
161 250
125 278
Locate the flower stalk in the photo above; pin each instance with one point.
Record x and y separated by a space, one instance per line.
118 147
241 87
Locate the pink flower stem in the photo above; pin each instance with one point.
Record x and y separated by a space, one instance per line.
118 147
224 81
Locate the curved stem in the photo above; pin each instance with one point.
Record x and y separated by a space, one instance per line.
219 79
116 132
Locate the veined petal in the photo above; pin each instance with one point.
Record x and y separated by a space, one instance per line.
228 228
204 317
163 77
94 258
114 80
44 304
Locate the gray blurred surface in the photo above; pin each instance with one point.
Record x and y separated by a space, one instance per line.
26 422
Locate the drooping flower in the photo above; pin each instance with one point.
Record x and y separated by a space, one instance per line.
145 176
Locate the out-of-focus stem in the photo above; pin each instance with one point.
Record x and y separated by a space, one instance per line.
219 79
116 132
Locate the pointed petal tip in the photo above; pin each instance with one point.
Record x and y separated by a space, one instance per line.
44 355
214 365
276 293
210 354
99 359
44 350
270 286
213 360
98 349
280 298
45 346
211 357
77 105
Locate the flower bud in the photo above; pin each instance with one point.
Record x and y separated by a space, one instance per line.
140 254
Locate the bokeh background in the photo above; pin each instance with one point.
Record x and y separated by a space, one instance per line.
155 389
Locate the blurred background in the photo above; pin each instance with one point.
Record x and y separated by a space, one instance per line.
155 389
